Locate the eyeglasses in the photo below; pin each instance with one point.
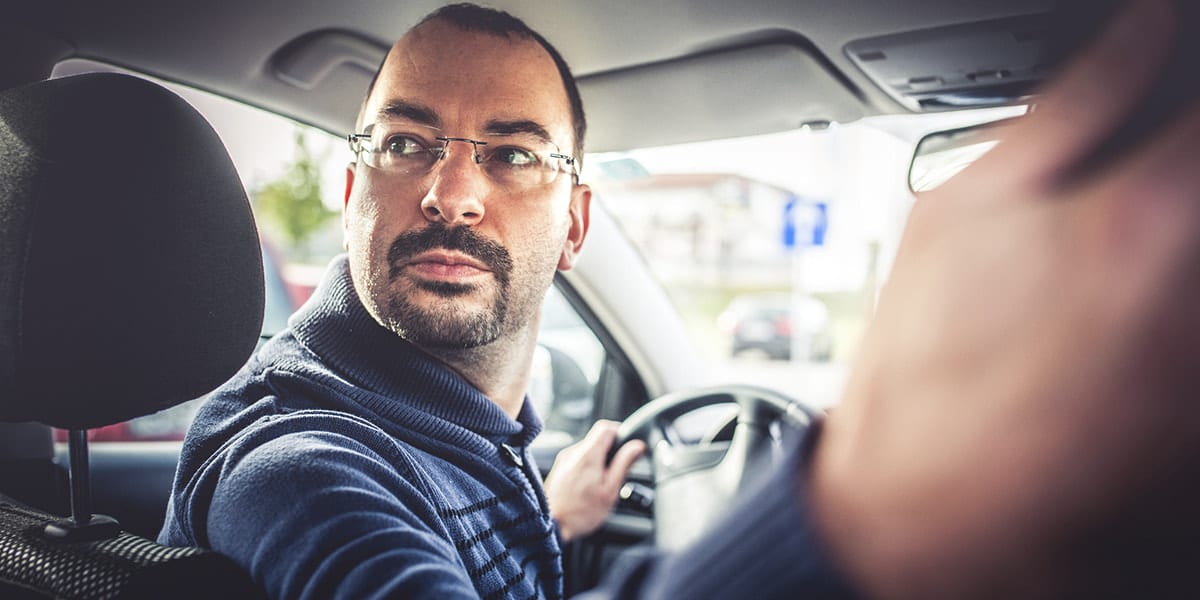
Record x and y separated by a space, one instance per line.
513 162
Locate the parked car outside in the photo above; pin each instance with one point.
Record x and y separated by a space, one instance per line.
774 324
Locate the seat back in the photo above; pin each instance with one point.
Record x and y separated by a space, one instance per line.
28 472
130 281
122 567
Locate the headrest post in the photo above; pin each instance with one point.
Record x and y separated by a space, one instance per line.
83 525
79 471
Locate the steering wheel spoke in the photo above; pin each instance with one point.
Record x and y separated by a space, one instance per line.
696 484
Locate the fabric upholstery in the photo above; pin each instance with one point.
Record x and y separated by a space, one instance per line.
121 568
130 271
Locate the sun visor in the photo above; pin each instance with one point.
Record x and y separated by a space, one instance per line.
731 93
973 65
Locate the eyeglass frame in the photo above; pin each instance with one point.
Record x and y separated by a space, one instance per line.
355 140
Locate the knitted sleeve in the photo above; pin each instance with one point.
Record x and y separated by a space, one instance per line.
324 512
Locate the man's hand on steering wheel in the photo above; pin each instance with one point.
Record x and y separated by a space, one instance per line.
582 485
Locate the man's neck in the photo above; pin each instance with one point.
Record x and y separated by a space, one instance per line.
500 370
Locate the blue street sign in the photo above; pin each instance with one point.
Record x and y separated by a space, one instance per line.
805 222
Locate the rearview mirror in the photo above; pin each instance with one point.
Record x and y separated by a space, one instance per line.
942 154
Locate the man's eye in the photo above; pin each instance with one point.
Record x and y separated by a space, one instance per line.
402 145
514 157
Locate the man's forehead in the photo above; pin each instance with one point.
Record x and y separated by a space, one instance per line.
398 109
439 55
438 72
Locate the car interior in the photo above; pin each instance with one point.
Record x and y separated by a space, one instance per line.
134 275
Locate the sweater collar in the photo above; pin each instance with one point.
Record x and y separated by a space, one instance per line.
403 382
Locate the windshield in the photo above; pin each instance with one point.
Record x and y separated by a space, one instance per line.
773 248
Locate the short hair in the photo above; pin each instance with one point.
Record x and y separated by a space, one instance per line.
472 17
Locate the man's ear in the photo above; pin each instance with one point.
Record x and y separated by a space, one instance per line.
580 214
349 183
346 204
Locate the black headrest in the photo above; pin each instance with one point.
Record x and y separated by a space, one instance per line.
130 272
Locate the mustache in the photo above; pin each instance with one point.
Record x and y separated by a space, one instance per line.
460 238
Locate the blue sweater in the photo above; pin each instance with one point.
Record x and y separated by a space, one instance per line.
342 462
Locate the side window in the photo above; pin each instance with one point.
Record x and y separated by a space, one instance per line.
566 369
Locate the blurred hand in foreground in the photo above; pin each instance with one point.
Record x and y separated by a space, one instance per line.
1023 417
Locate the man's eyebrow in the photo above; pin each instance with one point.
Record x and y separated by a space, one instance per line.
498 127
418 113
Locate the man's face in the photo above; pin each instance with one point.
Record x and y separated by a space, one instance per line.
453 259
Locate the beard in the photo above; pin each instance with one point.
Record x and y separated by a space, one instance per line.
446 324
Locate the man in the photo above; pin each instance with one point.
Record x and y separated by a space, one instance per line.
379 446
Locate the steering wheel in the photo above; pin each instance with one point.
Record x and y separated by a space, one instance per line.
694 485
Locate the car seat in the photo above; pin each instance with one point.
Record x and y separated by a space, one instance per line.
130 281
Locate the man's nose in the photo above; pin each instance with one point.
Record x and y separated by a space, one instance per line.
458 189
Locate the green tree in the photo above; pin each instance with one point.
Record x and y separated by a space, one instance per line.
291 204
